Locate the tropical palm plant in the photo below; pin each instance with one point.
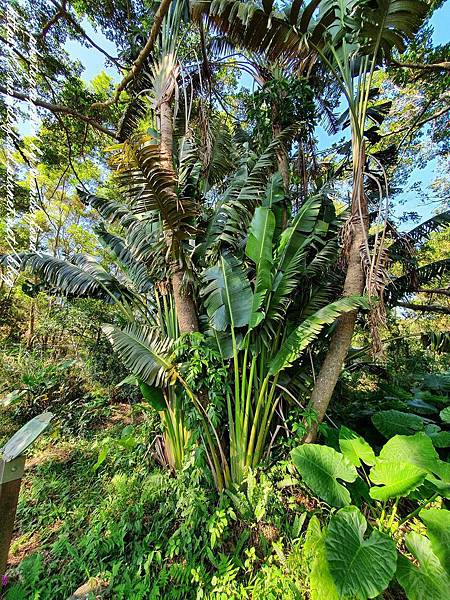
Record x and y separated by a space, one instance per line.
351 39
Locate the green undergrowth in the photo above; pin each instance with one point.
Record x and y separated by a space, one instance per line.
149 535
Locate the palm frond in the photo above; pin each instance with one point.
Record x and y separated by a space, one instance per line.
437 341
385 24
247 190
258 30
151 186
219 154
311 327
109 210
401 248
134 270
82 277
144 235
411 281
143 352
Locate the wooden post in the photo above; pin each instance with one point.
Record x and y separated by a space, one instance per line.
10 479
12 466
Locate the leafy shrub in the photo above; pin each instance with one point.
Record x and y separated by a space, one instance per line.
346 564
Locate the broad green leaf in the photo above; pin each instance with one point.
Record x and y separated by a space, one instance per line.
311 327
393 422
423 408
295 236
387 24
396 478
101 457
259 250
440 439
355 448
427 580
361 567
153 395
228 295
438 530
417 450
321 584
445 414
320 468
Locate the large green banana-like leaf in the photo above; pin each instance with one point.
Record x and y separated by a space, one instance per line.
143 352
311 327
291 257
81 278
259 250
134 270
386 24
296 236
228 295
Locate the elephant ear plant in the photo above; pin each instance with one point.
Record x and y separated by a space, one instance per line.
357 557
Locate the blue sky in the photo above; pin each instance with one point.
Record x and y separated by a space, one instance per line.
94 62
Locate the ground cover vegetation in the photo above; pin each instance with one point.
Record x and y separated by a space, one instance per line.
242 337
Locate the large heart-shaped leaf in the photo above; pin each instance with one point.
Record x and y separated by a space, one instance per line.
320 468
440 439
355 448
417 450
427 579
445 414
153 395
361 567
438 529
393 422
396 478
321 584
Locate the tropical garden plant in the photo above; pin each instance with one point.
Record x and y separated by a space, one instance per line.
242 278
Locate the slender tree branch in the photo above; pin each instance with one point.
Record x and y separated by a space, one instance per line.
443 310
60 109
56 17
440 66
143 55
83 33
63 13
436 115
440 291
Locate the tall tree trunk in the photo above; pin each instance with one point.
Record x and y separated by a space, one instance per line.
282 155
354 285
184 303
